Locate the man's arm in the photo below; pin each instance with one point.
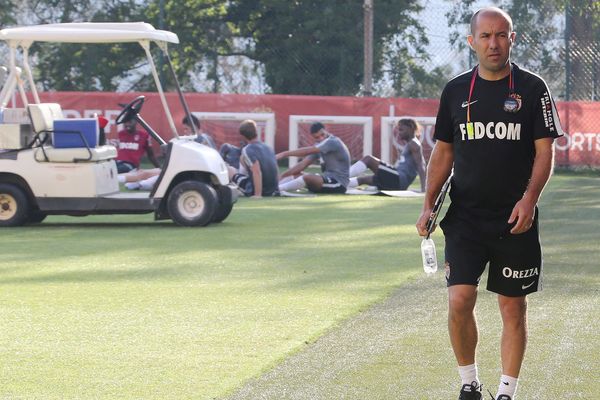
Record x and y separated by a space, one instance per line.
296 169
301 152
256 178
417 154
438 171
152 157
524 209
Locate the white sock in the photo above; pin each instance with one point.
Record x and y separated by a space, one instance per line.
294 184
507 386
132 185
358 168
353 183
121 178
148 184
468 374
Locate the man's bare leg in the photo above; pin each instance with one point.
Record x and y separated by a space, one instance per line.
462 325
513 342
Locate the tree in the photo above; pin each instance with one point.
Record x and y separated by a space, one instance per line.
203 32
315 47
7 12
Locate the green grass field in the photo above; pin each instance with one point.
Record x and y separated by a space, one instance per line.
109 307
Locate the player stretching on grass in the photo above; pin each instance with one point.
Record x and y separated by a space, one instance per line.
410 162
496 124
335 164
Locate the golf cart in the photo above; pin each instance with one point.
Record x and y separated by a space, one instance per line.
51 166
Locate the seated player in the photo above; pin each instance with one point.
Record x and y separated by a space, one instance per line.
335 164
201 137
259 172
410 162
131 146
144 179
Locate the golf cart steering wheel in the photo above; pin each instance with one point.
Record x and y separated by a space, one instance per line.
131 110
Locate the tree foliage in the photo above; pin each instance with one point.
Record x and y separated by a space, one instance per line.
93 67
203 32
316 47
8 10
302 46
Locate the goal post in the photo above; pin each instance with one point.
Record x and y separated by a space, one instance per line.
389 152
224 126
355 131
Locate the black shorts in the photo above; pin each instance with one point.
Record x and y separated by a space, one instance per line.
244 183
330 185
124 166
387 178
515 261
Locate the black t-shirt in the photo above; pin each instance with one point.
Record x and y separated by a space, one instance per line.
493 167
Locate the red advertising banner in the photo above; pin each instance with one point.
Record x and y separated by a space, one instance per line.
581 120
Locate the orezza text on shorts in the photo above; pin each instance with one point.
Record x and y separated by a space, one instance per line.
492 130
525 273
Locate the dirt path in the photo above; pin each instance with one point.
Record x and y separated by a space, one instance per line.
359 359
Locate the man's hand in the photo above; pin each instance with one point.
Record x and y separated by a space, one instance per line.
422 222
523 212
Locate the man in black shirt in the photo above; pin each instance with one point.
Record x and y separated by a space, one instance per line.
495 126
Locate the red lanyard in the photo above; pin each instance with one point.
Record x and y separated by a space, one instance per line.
473 77
511 91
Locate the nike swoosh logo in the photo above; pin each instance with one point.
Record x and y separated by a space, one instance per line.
466 103
506 383
527 286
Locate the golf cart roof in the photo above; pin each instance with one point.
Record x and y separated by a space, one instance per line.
20 39
87 32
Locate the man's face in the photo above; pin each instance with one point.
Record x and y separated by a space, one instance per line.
319 136
403 131
130 126
492 41
187 130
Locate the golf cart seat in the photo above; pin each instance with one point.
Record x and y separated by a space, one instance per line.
76 154
42 117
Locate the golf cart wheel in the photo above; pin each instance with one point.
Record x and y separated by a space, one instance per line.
192 203
36 216
224 205
14 206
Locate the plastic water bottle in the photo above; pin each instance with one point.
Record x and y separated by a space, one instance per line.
429 257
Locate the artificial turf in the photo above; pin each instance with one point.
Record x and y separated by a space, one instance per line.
122 307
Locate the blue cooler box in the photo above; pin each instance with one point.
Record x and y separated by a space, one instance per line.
65 132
